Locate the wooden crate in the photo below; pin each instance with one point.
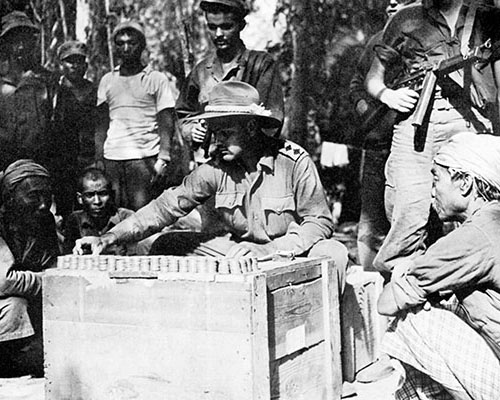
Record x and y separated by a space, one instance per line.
362 326
268 334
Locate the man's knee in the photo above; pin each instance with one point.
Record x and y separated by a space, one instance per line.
336 251
14 319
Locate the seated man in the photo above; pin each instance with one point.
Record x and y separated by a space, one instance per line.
267 192
450 349
98 214
28 245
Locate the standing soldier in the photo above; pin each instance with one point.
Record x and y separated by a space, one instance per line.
419 37
136 123
74 123
26 92
230 61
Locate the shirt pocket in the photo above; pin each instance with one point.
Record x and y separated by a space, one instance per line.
279 213
229 206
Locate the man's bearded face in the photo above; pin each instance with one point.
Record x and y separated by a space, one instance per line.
32 199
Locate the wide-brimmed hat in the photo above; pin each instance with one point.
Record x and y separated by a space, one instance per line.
131 24
230 98
239 6
14 20
72 48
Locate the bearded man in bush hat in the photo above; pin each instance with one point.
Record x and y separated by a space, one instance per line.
266 191
28 245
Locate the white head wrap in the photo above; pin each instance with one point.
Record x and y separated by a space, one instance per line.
477 155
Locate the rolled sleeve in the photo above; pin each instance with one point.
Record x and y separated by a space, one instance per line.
172 204
16 283
461 259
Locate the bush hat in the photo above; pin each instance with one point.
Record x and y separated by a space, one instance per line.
238 5
230 98
14 20
131 24
72 48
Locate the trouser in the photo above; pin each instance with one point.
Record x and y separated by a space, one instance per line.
131 181
21 342
409 181
443 357
373 224
186 243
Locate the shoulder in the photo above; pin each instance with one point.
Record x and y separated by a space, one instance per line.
154 74
292 151
203 64
74 220
406 18
260 58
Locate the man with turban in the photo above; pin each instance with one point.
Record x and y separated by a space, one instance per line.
28 245
447 300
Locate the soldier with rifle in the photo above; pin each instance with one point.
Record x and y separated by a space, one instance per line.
231 60
451 47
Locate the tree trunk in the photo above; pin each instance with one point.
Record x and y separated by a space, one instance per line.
300 88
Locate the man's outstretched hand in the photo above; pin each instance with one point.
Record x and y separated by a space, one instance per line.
96 244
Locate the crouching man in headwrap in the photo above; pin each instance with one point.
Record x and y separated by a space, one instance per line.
28 245
447 300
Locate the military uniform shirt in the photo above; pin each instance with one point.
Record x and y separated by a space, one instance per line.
283 206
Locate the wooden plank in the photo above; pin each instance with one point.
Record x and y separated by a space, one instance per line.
333 345
362 326
295 318
260 340
221 306
300 376
280 274
114 362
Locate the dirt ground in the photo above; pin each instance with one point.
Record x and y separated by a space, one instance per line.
26 388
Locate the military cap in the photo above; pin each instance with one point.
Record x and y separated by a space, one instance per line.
133 25
14 20
238 5
71 48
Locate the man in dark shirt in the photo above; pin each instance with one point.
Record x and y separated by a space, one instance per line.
376 143
230 61
98 214
74 124
28 245
26 93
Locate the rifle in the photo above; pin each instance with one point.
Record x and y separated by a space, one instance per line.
424 81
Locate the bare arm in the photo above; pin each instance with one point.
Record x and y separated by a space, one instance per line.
402 99
101 131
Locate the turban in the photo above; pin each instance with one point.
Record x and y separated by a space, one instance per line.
475 154
17 172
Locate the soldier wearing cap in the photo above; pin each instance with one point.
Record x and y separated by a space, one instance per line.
231 60
28 245
266 190
74 123
136 128
26 91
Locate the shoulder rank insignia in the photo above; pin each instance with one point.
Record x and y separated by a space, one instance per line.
292 150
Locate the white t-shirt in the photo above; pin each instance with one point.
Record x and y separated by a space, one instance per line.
134 102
